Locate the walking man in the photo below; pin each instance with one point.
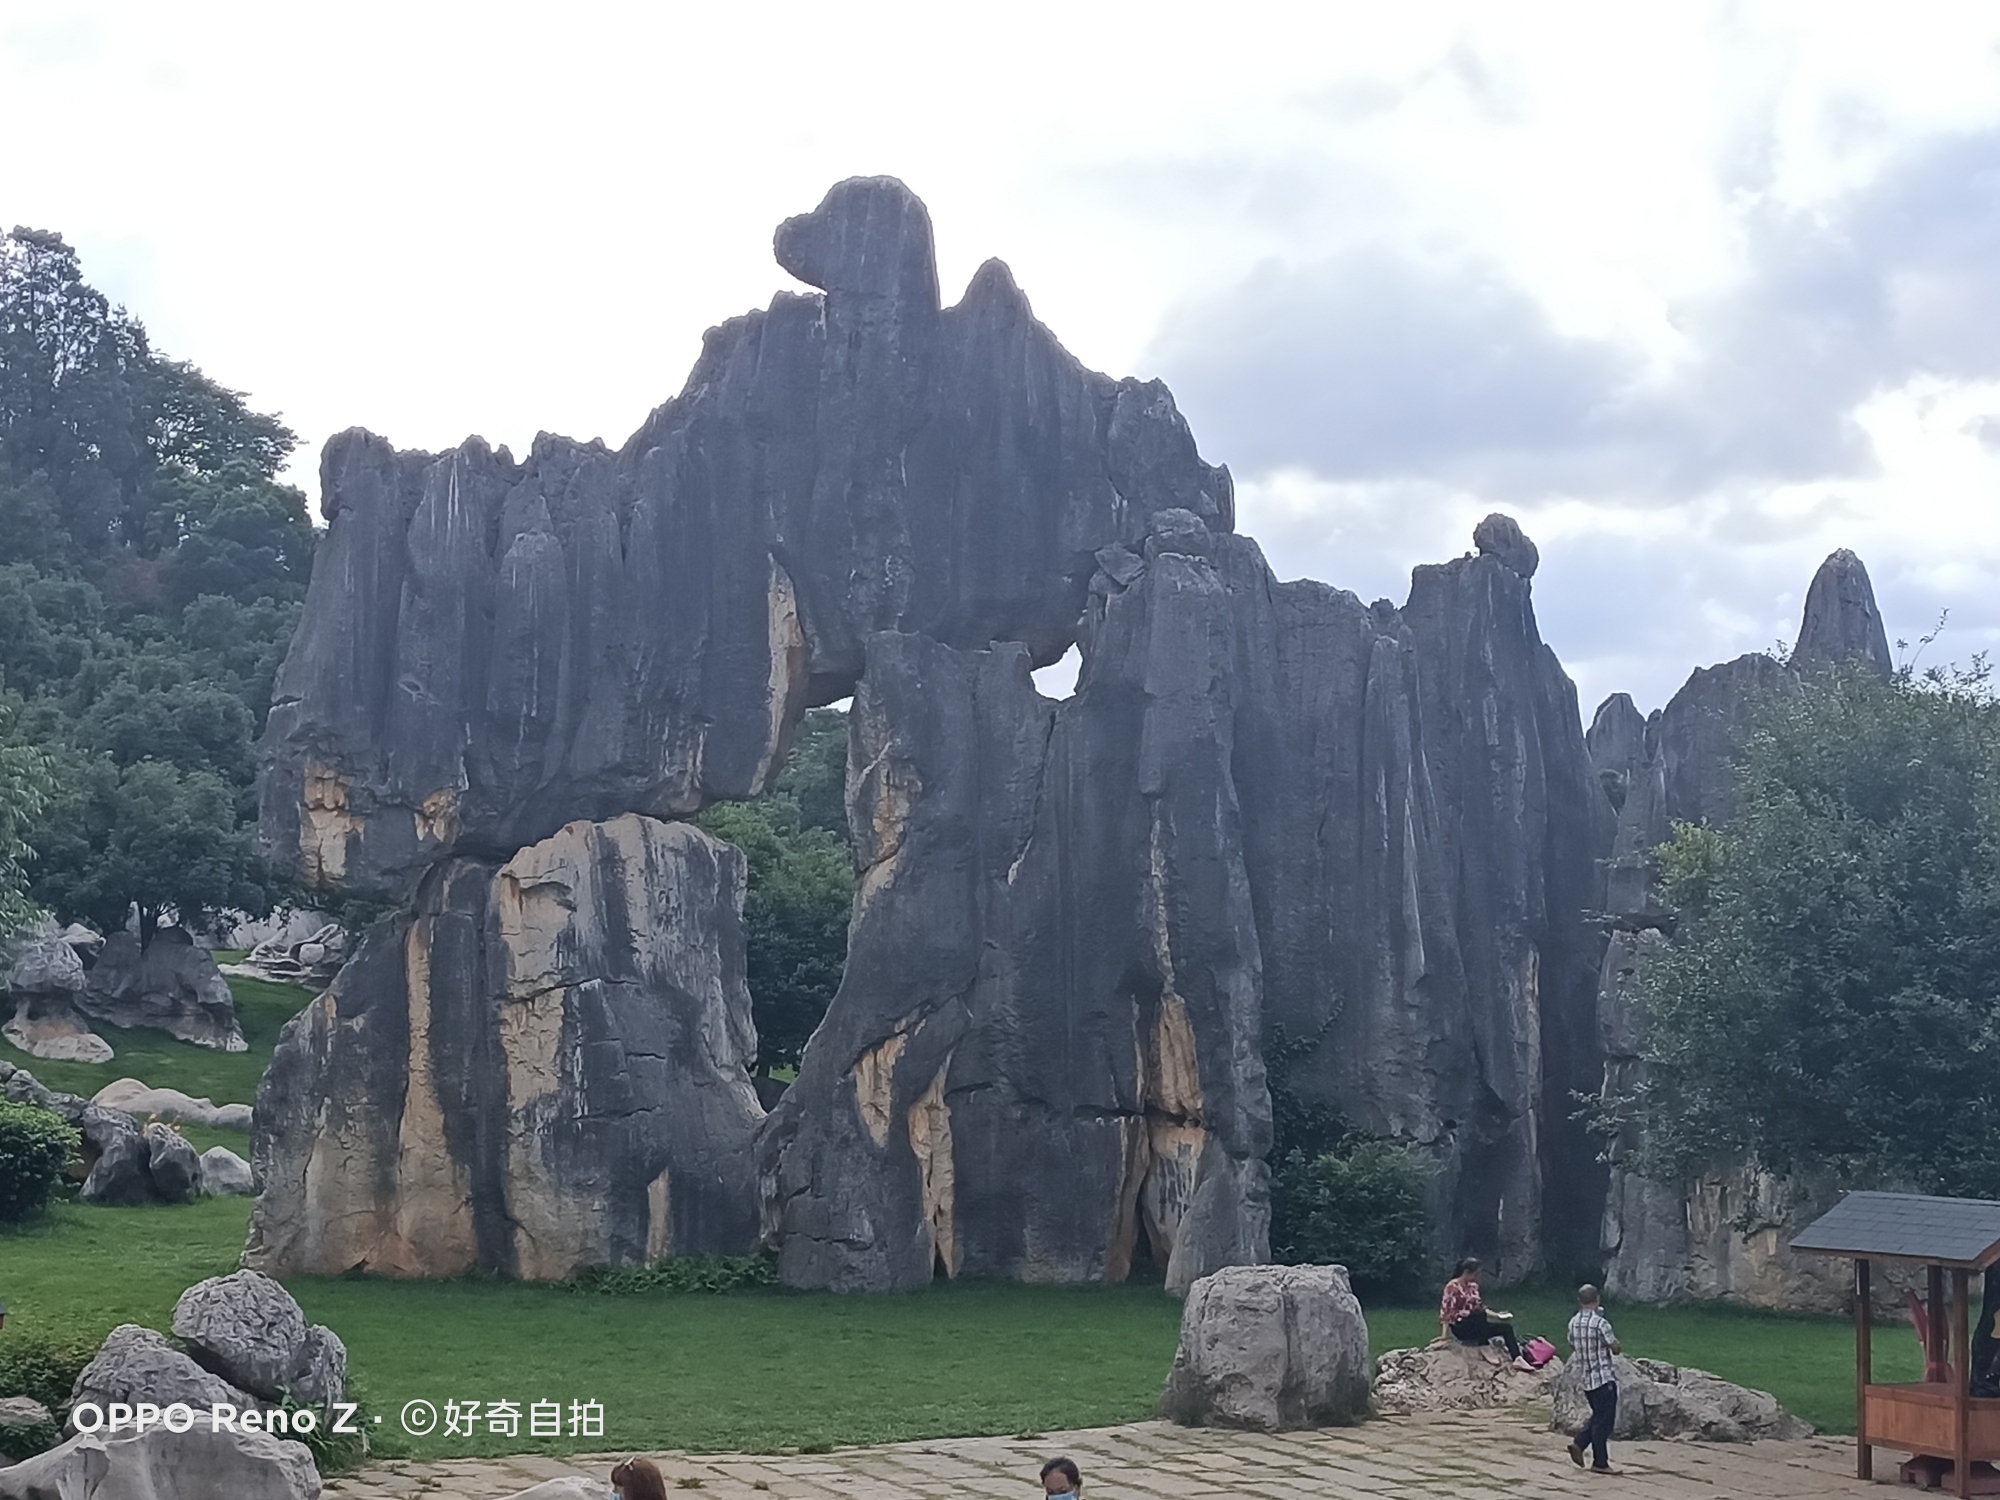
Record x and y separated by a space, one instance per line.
1591 1345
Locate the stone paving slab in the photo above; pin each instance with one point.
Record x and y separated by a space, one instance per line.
1431 1456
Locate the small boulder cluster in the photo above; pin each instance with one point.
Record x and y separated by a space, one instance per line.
129 1164
63 981
240 1341
285 958
46 979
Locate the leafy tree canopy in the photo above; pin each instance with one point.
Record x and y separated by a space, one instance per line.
151 570
1831 998
800 888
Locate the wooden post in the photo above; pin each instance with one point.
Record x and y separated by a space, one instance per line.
1934 1354
1961 1376
1864 1371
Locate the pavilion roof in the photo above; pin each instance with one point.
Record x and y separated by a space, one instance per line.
1963 1233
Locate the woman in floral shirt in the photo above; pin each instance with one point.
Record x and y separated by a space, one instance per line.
1462 1314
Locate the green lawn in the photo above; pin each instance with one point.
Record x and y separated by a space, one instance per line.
768 1369
755 1370
162 1062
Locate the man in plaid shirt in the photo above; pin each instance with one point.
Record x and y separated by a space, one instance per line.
1592 1344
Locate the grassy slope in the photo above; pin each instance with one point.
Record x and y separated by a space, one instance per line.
157 1059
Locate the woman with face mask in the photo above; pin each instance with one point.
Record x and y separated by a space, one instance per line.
1060 1477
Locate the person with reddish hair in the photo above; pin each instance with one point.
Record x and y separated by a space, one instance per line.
638 1479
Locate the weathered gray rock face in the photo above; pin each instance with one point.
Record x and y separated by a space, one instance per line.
247 1328
1659 1400
1271 1348
44 979
171 984
1266 804
199 1464
224 1174
172 1165
1841 621
137 1364
543 1067
1668 1241
496 648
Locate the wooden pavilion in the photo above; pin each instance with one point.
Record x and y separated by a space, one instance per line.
1951 1435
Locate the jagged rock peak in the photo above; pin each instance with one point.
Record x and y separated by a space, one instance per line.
870 236
1841 622
1502 537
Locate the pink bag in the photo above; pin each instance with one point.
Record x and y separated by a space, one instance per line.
1539 1351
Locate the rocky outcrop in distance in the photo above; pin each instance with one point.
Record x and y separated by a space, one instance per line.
170 984
1724 1235
543 1065
45 979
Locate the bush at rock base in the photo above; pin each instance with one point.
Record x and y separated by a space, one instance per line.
44 1366
19 1440
1360 1206
35 1146
680 1273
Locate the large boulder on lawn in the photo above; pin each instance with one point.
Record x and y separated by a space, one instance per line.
137 1364
122 1174
1659 1400
172 1164
199 1464
1453 1377
224 1174
1270 1348
170 1105
43 977
247 1328
170 985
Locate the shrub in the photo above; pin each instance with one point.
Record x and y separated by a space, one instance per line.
45 1369
1362 1206
35 1145
685 1273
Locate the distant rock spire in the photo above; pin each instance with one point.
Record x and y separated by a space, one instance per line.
1841 621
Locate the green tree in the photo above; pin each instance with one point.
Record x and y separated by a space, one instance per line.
801 888
151 570
152 835
26 784
1831 997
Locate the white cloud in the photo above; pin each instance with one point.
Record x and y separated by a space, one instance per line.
446 218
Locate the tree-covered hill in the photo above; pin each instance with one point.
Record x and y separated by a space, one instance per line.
151 568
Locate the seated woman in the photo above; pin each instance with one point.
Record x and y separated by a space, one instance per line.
1462 1314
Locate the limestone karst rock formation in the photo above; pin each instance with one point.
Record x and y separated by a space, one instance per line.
1661 1242
1267 805
495 648
544 1065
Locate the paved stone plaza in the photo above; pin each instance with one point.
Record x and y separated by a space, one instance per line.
1456 1456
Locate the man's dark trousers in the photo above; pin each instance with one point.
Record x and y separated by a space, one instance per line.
1603 1417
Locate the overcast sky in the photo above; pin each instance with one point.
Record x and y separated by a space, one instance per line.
1698 292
